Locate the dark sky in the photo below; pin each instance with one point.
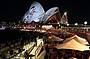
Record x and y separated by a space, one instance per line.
78 10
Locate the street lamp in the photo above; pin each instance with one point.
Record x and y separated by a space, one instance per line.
58 23
86 29
85 23
65 13
67 24
76 24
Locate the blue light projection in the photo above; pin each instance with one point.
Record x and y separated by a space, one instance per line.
35 13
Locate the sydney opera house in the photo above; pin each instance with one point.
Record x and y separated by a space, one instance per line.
36 13
49 37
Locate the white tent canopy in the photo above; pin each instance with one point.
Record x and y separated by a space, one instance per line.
81 40
35 13
74 45
78 39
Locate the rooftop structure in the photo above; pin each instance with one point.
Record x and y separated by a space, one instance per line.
35 13
52 15
64 19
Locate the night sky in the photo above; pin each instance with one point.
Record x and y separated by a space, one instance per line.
78 10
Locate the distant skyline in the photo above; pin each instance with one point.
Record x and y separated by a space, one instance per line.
78 10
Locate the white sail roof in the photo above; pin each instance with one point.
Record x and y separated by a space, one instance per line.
81 40
74 45
64 19
50 12
35 13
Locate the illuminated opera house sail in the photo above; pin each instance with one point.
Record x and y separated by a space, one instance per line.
64 19
52 15
35 13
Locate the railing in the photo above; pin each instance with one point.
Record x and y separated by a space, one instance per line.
29 50
38 50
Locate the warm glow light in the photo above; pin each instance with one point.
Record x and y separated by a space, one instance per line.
67 24
47 26
20 27
85 22
58 23
43 31
24 27
24 22
76 24
65 13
